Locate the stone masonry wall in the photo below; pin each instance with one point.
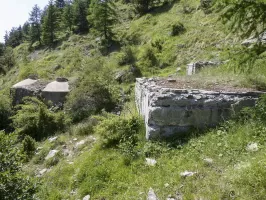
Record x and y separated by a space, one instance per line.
169 111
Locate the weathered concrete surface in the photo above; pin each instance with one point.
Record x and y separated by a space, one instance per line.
55 91
28 87
169 111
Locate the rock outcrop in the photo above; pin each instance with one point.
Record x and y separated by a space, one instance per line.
172 111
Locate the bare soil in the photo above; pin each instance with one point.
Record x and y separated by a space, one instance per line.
204 84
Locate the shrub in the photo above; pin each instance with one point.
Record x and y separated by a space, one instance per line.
126 56
205 5
116 130
177 29
5 112
28 147
14 184
147 58
84 128
95 92
34 119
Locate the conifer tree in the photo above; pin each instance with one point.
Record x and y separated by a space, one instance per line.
60 4
35 22
50 24
244 16
68 17
102 15
80 8
26 31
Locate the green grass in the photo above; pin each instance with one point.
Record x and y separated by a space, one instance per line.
104 173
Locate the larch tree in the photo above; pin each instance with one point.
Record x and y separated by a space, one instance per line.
35 22
102 15
50 24
68 17
80 11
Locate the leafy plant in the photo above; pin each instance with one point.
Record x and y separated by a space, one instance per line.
14 184
28 147
34 119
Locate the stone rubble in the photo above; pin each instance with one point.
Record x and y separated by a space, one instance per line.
152 195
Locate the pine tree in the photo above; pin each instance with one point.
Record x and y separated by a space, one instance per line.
35 22
68 17
50 24
103 15
26 31
60 4
80 15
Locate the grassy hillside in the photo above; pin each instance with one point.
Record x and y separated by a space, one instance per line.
104 155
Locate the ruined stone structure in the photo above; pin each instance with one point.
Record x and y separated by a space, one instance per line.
55 91
194 68
169 111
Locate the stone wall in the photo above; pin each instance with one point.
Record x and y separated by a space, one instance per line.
169 111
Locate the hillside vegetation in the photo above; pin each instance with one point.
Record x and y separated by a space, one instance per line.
98 139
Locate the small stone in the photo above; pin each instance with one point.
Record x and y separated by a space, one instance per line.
87 197
51 154
43 171
178 69
166 185
75 139
152 195
208 160
187 173
52 139
252 147
80 143
151 162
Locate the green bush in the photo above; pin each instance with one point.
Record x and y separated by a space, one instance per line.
116 130
34 119
177 29
14 184
147 58
84 128
206 5
28 147
126 56
95 92
5 112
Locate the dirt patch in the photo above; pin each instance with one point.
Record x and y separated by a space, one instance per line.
202 83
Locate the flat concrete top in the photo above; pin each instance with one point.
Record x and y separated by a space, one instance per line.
198 83
56 86
24 83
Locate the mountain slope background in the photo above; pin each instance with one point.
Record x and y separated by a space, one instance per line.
99 138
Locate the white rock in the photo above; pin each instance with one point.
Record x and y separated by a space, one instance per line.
208 160
51 154
87 197
80 143
152 195
52 139
166 185
252 147
75 139
187 173
151 162
43 171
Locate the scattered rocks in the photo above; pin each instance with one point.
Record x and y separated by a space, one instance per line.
87 197
187 173
152 195
51 154
151 162
252 147
253 40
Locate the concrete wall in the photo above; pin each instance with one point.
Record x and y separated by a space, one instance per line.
168 112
